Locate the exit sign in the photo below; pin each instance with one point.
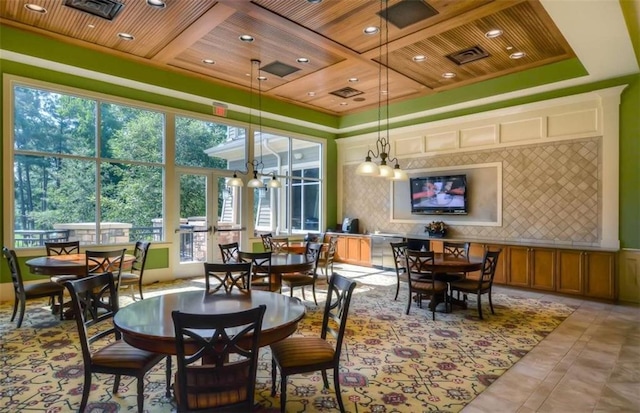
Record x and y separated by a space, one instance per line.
220 109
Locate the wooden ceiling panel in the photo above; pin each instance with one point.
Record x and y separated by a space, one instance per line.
179 36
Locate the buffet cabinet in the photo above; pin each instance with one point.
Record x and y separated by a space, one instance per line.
353 249
586 273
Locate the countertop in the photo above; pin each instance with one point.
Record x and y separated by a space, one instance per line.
528 243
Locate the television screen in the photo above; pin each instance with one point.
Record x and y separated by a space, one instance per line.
439 194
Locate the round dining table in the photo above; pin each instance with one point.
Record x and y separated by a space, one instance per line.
447 268
147 324
69 264
300 247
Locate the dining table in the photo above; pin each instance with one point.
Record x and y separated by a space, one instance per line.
285 263
69 264
300 247
448 268
147 324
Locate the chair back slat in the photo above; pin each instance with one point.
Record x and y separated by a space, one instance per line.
225 276
62 248
229 252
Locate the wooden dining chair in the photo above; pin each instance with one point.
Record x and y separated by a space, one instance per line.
482 285
62 248
217 358
295 355
226 276
279 245
260 269
24 292
400 262
134 276
421 280
266 241
105 261
94 302
306 274
327 257
229 252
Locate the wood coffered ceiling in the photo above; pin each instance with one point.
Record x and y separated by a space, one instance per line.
329 33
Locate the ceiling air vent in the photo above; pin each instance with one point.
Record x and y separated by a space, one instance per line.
408 12
279 69
106 9
468 55
346 92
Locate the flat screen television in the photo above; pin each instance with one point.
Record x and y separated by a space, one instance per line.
439 195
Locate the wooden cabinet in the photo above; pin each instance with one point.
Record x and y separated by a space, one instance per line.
589 273
353 249
531 267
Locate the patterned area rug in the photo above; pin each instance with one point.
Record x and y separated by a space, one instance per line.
391 362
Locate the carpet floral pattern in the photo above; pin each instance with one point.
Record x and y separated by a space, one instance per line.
391 362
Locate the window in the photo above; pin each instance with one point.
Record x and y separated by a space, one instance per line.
85 170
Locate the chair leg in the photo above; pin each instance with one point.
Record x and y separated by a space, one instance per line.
491 303
168 377
61 305
15 308
140 288
140 393
85 390
397 288
409 302
479 306
303 297
116 384
273 377
283 393
336 384
22 310
313 291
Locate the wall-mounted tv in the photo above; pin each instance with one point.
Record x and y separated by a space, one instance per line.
439 194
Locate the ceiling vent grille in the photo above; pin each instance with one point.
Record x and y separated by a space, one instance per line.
468 55
279 69
408 12
346 92
106 9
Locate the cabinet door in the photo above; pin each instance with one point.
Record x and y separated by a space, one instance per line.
543 268
518 265
365 252
599 274
353 250
436 246
570 272
341 249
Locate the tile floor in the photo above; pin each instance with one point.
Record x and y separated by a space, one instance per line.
590 363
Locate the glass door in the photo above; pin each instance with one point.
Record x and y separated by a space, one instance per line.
208 215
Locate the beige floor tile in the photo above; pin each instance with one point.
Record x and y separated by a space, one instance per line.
625 372
620 396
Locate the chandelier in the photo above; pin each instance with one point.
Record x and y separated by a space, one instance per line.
383 145
256 166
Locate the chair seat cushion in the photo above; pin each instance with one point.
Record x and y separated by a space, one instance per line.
427 286
302 351
297 278
206 389
121 355
469 285
129 278
42 289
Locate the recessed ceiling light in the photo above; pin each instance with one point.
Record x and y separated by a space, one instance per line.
302 60
35 7
246 38
493 33
91 26
371 30
208 61
156 3
311 93
262 78
419 58
509 47
314 1
343 103
383 92
353 79
448 75
125 36
517 55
